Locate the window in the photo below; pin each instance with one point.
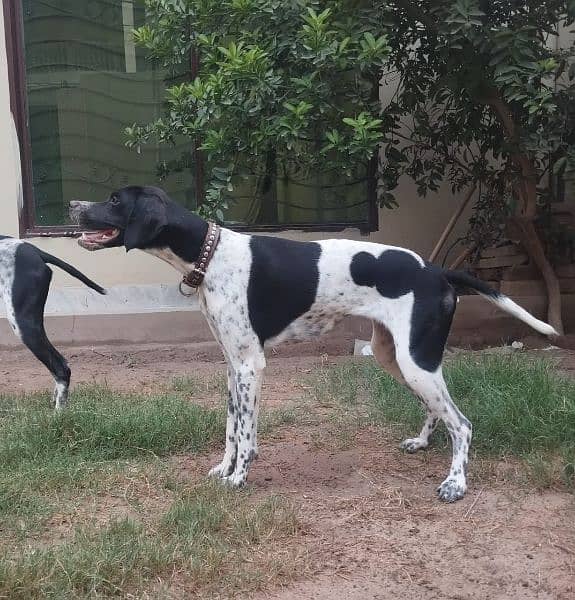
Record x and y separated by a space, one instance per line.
77 80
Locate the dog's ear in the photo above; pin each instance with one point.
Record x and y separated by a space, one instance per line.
146 221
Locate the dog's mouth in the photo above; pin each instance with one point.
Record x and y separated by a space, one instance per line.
96 240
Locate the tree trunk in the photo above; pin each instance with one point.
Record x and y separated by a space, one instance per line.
451 224
532 244
526 192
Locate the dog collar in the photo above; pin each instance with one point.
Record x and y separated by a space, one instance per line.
195 277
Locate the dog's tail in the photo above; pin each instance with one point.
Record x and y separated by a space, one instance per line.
503 302
53 260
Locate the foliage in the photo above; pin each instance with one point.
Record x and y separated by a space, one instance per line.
484 97
290 85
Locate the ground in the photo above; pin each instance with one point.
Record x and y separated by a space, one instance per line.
370 526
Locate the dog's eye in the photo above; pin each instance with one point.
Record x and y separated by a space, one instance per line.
114 199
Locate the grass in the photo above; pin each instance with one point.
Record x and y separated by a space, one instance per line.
202 541
518 405
214 385
101 424
91 462
47 452
48 457
136 525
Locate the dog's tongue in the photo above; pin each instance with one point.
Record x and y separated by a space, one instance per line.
99 236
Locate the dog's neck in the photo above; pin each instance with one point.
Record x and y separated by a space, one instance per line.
181 240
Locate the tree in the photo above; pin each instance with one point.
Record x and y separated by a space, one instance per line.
290 85
484 100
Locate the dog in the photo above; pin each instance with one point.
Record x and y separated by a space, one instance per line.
255 290
24 282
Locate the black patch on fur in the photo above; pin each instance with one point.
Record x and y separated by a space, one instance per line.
396 273
283 283
32 279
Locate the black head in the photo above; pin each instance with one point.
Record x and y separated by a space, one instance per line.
133 216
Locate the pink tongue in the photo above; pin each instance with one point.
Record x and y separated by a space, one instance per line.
99 234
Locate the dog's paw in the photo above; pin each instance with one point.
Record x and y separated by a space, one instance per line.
235 480
451 490
224 469
412 445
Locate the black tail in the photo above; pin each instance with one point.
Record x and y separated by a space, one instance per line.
463 279
53 260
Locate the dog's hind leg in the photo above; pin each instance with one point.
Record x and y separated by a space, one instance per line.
419 352
431 388
383 348
29 294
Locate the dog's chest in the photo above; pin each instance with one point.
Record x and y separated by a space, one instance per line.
223 296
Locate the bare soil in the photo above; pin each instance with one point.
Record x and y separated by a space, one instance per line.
371 526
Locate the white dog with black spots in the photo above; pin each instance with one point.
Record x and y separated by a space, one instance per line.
262 290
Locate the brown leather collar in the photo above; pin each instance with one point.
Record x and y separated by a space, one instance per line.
195 277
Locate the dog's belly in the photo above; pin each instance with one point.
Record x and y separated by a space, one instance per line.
310 325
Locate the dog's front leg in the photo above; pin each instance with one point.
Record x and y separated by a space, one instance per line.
248 380
228 464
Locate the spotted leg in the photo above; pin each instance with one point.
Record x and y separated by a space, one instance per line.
431 388
248 381
419 352
422 440
228 464
383 348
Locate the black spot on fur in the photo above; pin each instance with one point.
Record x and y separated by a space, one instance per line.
396 273
283 283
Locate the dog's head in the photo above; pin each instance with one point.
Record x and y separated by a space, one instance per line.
132 216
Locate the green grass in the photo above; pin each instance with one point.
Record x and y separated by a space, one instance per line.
111 449
101 424
44 453
518 405
215 385
202 541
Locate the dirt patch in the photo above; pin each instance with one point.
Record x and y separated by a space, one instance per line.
372 527
377 531
148 367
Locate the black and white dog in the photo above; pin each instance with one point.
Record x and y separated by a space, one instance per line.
260 289
24 282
